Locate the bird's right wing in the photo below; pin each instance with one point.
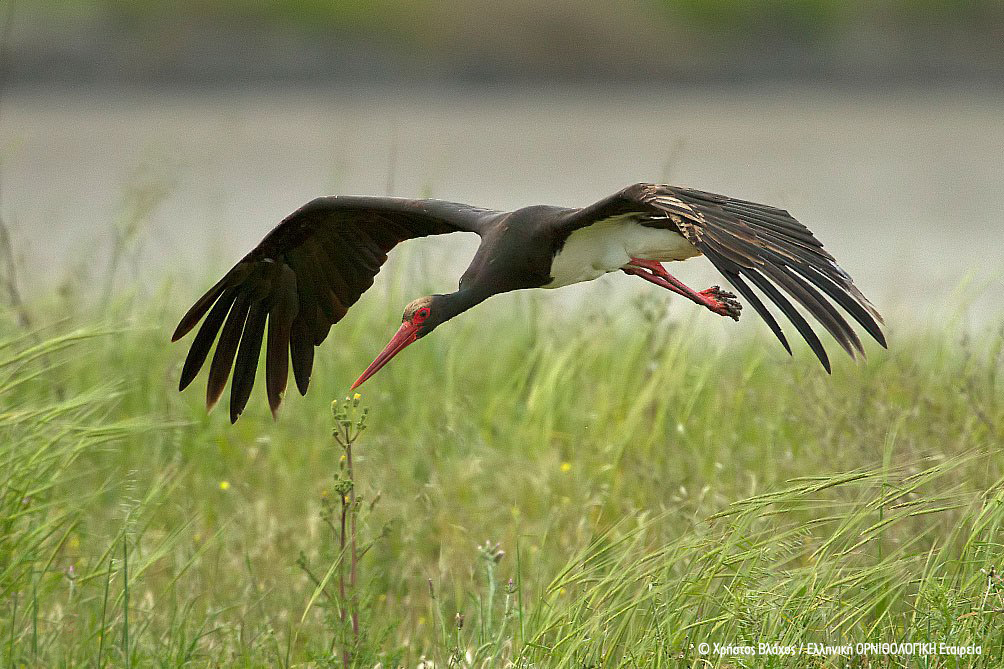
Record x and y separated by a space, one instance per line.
299 281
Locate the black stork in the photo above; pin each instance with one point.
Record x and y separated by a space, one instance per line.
306 273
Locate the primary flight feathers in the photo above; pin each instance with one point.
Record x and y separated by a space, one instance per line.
308 271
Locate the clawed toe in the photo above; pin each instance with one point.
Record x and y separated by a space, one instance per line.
723 302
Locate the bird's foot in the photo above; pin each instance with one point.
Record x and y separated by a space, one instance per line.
722 302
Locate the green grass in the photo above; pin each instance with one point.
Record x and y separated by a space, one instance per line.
650 489
415 22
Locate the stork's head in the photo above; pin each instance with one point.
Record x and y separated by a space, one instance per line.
420 317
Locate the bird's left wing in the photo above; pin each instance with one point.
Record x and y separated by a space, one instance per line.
755 243
298 282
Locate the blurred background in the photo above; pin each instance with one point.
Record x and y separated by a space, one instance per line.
724 492
174 135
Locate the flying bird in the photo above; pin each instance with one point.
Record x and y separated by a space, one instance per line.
308 271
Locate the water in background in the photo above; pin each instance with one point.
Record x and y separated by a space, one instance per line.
905 189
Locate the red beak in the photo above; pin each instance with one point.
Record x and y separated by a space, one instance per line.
405 335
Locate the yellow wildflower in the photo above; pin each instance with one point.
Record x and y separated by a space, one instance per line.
224 485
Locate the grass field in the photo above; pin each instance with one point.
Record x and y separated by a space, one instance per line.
648 490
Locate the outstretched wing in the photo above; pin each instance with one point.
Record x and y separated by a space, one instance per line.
752 243
299 281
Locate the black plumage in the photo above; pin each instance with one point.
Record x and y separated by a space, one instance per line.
307 272
299 281
770 248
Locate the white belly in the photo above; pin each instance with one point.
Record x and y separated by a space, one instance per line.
609 245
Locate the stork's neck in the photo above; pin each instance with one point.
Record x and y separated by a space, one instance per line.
454 304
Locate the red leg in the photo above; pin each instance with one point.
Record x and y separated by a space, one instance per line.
715 299
660 281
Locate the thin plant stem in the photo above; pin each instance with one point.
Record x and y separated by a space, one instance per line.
125 600
346 655
354 557
348 613
13 622
104 610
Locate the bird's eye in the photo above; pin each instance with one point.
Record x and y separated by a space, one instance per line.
420 315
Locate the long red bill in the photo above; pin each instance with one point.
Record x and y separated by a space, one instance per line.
405 335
